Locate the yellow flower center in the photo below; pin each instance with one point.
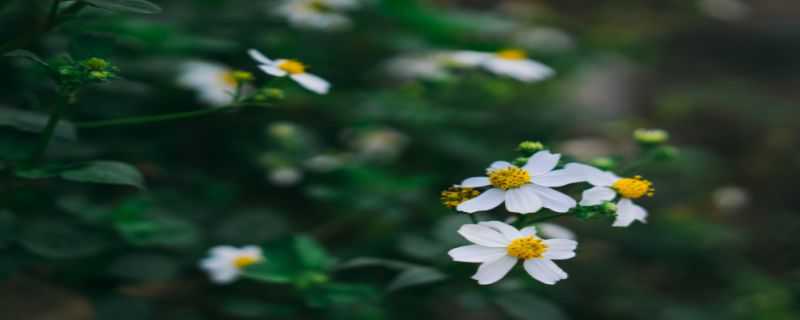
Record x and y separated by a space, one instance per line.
454 196
228 78
526 248
232 78
634 188
509 177
512 54
319 6
244 261
292 66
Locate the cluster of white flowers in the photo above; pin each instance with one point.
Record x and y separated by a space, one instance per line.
324 15
525 190
512 63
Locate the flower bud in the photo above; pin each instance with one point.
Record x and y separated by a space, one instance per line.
96 64
603 163
650 136
530 147
521 161
242 76
609 208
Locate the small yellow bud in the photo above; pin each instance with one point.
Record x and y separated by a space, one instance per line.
242 76
651 136
96 64
530 147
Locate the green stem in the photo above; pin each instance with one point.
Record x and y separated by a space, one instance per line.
152 119
48 132
473 218
52 17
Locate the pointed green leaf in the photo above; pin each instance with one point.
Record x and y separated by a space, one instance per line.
134 6
106 172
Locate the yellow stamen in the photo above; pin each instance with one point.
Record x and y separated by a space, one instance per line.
292 66
454 196
509 177
526 248
634 188
512 54
319 6
228 78
244 261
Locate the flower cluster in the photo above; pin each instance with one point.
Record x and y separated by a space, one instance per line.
528 186
513 63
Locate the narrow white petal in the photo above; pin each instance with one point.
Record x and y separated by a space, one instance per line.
273 70
542 162
488 200
508 231
554 231
224 251
594 176
476 253
483 235
224 276
468 58
628 212
554 200
491 272
597 195
528 231
559 254
522 70
544 270
258 56
498 165
312 82
475 182
523 200
562 177
561 244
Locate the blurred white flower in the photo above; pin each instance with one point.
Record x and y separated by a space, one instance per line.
553 231
324 163
586 148
512 63
498 246
608 186
728 10
326 15
285 176
224 263
545 39
428 66
524 190
379 144
292 68
731 198
214 83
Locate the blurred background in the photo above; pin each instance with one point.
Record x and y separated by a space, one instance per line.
357 173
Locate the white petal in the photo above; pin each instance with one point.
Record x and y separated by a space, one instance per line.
561 244
476 182
312 82
554 200
487 200
628 212
258 56
251 251
476 253
594 176
483 235
554 231
542 162
523 200
273 70
528 231
544 270
558 178
522 70
468 58
508 231
224 251
224 276
559 255
491 272
597 195
498 165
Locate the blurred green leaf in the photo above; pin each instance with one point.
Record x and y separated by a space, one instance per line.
144 267
247 307
134 6
162 231
311 254
106 172
28 55
525 306
8 227
35 122
271 270
415 277
60 239
339 294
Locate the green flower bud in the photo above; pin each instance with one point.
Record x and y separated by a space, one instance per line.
96 64
100 75
650 136
609 208
521 161
665 153
272 93
529 147
603 163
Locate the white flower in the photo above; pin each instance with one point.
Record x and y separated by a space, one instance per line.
552 230
608 186
292 68
214 83
324 15
512 63
497 247
285 176
429 66
224 263
524 190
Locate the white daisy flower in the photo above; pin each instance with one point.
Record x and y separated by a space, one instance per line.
512 63
317 14
524 190
608 186
498 246
224 263
292 68
423 66
214 83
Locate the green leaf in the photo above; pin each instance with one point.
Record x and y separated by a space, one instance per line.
311 254
59 239
167 232
144 267
525 306
270 271
415 277
35 122
106 172
28 55
134 6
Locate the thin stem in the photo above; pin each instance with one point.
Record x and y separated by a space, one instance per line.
152 119
48 132
473 218
52 17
